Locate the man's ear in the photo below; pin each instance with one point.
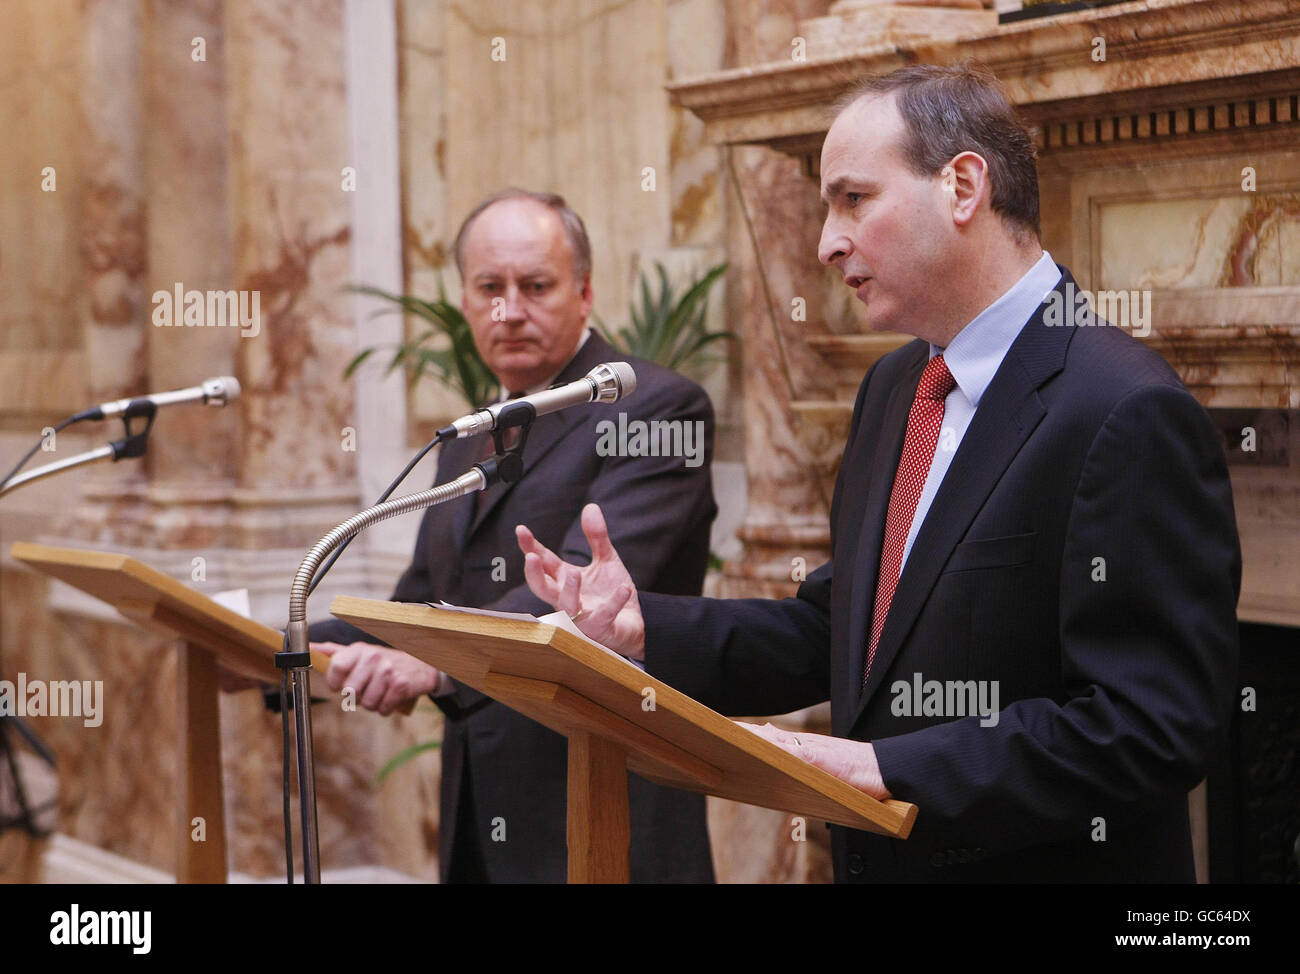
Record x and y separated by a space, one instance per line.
965 180
588 298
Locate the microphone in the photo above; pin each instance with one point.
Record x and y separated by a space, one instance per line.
608 382
213 392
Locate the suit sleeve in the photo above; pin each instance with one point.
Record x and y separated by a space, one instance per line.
1148 641
743 657
748 657
653 505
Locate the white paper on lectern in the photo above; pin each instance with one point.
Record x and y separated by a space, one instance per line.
236 600
560 620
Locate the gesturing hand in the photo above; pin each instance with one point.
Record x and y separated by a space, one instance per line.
600 598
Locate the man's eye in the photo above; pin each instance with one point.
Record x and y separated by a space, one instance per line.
538 287
489 288
854 198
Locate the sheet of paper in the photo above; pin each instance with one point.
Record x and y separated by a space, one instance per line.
525 616
560 620
236 600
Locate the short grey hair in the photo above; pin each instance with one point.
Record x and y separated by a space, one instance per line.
574 229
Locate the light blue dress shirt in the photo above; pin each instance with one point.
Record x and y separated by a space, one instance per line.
973 358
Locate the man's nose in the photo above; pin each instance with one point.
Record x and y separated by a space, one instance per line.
514 310
834 246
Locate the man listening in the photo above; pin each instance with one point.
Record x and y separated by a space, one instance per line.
525 265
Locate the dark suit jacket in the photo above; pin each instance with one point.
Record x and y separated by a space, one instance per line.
659 511
1114 692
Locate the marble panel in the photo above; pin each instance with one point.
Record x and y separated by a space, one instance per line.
287 123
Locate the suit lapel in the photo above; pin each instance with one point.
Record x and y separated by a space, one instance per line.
547 430
1008 413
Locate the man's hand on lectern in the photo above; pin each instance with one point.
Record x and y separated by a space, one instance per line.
382 678
600 598
851 761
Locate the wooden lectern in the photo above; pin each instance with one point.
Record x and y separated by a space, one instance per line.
207 634
616 718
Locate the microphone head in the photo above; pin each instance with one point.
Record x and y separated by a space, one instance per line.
221 390
613 380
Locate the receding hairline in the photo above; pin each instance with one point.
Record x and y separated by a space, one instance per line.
570 223
857 94
556 219
897 144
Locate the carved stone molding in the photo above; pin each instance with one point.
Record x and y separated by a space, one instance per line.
1209 121
1176 47
853 23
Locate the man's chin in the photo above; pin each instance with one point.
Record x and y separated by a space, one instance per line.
876 322
520 371
516 361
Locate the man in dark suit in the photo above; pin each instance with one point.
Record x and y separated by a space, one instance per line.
1027 626
525 264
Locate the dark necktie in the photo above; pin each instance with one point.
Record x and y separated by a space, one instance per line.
923 425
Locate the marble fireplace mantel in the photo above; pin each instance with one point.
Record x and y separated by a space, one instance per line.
1158 54
1143 161
1181 79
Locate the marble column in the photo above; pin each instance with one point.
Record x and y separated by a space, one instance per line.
189 244
113 248
776 292
295 465
778 281
114 252
772 221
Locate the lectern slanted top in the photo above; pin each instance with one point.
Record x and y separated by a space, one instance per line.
578 688
157 601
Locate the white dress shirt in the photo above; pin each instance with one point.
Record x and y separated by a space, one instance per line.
973 358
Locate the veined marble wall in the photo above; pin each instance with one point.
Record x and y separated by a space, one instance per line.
200 144
42 181
1223 241
564 97
207 143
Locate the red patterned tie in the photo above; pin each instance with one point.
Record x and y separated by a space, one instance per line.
923 424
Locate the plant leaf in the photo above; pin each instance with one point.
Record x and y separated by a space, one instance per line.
355 364
404 755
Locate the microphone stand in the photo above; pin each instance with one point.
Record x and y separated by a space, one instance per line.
506 466
130 447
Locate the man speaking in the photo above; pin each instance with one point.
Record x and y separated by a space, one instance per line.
525 264
1030 504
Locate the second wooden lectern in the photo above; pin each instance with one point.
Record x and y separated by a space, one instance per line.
616 718
208 635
